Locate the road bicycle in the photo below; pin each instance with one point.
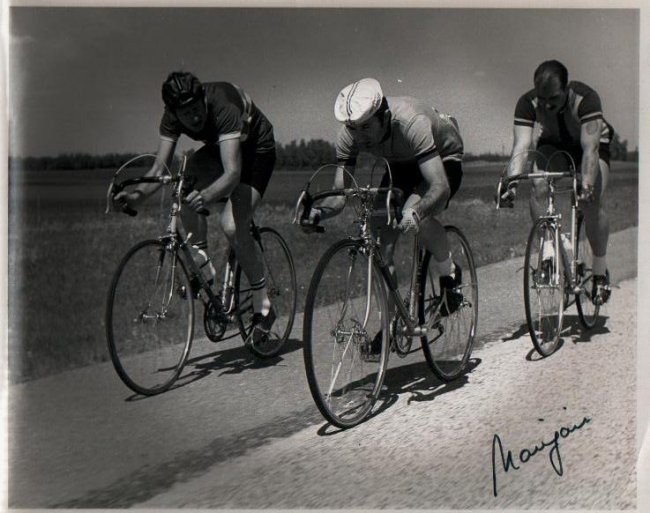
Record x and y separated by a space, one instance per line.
557 269
150 307
347 308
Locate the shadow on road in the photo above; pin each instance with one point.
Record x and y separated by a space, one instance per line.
573 331
228 361
579 333
416 379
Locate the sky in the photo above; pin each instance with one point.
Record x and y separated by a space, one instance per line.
88 79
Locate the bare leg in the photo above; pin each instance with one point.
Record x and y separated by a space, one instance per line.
433 236
538 192
597 221
235 223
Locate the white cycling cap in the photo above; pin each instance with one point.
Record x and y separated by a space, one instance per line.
358 101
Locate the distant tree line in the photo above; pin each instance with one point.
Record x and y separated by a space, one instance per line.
292 156
71 161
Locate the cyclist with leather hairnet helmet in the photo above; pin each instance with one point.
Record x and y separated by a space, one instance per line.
424 150
230 172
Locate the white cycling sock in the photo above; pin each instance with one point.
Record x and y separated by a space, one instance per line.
548 250
600 265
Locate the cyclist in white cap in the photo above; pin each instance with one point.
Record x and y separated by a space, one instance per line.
424 150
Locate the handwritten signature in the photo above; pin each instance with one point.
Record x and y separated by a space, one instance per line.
508 460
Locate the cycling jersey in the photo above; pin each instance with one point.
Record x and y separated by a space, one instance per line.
231 115
563 128
417 132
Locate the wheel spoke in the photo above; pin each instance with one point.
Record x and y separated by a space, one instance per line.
280 275
149 345
544 287
340 318
448 348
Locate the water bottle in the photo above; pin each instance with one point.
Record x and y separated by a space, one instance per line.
568 247
204 262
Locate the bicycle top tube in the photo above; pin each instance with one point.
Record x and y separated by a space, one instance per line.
547 175
352 192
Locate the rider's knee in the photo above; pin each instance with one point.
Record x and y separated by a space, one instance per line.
229 227
538 190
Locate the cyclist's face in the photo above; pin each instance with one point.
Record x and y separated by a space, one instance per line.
551 95
193 115
369 133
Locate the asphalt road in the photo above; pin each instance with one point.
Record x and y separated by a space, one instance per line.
239 434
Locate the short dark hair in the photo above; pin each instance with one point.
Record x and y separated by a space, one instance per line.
551 69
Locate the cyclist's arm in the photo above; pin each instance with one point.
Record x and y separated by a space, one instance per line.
590 142
434 200
231 158
523 139
163 160
333 205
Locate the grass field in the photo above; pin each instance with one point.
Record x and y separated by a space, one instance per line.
63 250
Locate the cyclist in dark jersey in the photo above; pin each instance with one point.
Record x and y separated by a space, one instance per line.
562 115
424 150
230 172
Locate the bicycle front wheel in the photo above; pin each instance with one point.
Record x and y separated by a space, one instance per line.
587 311
280 275
150 317
544 287
448 343
345 312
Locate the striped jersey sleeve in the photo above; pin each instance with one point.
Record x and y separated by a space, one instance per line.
228 122
590 107
346 148
169 128
419 134
525 111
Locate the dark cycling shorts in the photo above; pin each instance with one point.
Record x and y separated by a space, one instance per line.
574 151
407 176
205 166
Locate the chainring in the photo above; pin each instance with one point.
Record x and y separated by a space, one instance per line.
401 343
215 321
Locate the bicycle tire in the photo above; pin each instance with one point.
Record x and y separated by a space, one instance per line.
544 288
280 274
587 312
340 322
150 317
448 345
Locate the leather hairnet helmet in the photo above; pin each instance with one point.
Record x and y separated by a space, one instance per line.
181 88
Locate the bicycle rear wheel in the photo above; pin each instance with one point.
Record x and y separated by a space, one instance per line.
544 287
448 343
344 312
150 317
587 311
280 274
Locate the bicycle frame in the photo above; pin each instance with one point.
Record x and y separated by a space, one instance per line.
412 326
556 217
372 244
176 237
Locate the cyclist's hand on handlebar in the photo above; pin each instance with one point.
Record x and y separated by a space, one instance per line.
587 193
309 223
195 201
410 221
125 201
507 197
